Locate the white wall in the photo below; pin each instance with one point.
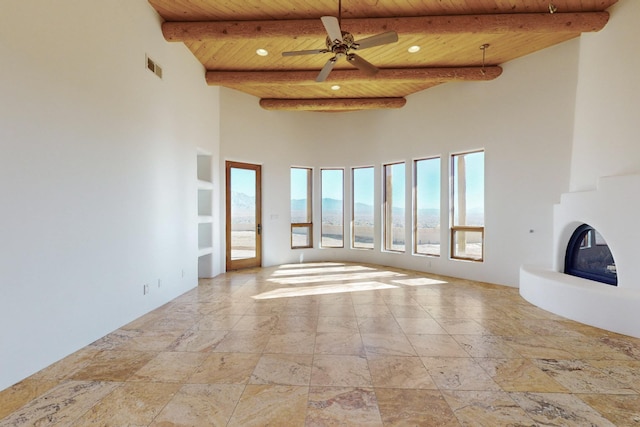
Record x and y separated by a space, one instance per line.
605 182
524 121
97 173
608 100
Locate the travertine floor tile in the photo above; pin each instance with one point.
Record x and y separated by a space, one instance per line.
242 342
437 345
559 409
339 343
463 327
334 370
256 323
486 408
262 405
414 408
22 393
113 365
399 372
61 405
337 324
580 377
626 372
457 373
291 343
286 369
134 404
621 410
169 367
342 406
520 375
379 325
372 310
197 340
417 326
68 366
536 347
225 368
408 311
217 323
200 405
486 346
288 323
387 344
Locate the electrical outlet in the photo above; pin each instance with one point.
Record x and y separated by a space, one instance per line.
159 283
183 273
145 289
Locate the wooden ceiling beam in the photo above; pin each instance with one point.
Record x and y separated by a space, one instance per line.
332 104
399 75
433 25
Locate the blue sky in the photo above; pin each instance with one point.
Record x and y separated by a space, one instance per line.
474 166
428 183
363 185
243 181
332 184
298 183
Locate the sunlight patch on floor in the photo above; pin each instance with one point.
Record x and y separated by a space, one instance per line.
310 264
420 281
323 290
333 277
315 269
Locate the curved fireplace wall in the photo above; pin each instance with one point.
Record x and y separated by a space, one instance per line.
612 209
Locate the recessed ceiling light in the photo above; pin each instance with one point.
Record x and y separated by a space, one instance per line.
335 87
262 52
413 49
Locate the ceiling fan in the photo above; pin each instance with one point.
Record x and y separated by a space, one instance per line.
340 43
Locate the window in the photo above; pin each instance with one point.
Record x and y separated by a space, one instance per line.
394 207
426 215
332 221
362 208
301 224
467 202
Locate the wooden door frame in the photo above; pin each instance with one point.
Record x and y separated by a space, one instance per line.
248 262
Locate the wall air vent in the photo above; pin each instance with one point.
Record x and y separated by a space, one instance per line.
153 66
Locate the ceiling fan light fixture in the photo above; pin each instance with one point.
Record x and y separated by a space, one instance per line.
262 52
413 49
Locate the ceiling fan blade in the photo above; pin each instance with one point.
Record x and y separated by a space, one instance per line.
363 65
332 26
304 52
324 73
377 40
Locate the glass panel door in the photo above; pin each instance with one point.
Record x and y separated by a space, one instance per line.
244 226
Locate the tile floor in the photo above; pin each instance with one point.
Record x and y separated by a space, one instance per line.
340 344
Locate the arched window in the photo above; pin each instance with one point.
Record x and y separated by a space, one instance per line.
588 256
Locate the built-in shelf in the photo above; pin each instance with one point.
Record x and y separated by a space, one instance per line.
205 219
205 250
205 213
205 185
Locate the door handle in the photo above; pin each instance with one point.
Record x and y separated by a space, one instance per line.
259 228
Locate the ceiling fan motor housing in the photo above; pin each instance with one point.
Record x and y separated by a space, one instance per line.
343 46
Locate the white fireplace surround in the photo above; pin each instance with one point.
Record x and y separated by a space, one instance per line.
613 209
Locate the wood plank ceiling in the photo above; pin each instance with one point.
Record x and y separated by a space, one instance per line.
224 36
